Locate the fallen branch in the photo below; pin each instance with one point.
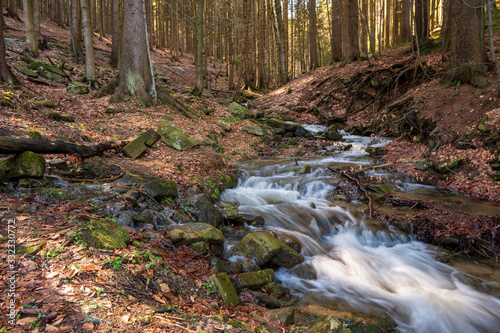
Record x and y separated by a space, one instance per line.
76 180
367 195
9 145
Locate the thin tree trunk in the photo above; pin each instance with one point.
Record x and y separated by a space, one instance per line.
336 41
5 73
12 10
281 42
75 29
198 89
115 44
492 47
89 42
30 28
313 32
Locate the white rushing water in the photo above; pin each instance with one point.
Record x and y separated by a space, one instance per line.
372 270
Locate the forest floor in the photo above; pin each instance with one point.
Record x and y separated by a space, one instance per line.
90 296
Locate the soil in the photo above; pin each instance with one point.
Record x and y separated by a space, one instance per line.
66 287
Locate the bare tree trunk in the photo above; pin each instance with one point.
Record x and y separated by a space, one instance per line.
101 19
198 88
30 28
336 41
285 25
313 33
136 72
350 34
467 43
75 29
405 21
37 6
5 73
492 47
422 20
260 82
115 46
281 42
230 84
89 42
12 10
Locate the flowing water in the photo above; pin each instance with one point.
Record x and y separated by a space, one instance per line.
351 260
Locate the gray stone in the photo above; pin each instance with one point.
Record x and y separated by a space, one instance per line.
196 232
283 125
239 111
204 211
161 188
77 88
255 280
224 125
255 130
282 316
25 71
125 218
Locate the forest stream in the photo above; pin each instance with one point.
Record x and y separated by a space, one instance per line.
352 259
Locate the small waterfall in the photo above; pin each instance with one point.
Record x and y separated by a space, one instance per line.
376 271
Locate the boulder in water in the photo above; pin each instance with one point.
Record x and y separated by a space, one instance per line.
267 249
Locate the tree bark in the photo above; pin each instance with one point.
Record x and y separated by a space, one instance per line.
12 10
405 21
281 42
30 28
198 88
9 145
5 73
422 20
336 40
75 29
466 33
350 35
136 72
89 42
115 47
313 34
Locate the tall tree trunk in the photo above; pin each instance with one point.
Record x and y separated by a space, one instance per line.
313 34
336 40
75 29
5 73
30 28
115 45
261 45
89 42
466 31
285 25
230 84
350 34
281 42
405 21
136 72
422 20
101 19
37 9
198 88
12 10
494 59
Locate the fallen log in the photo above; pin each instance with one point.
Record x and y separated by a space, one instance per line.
10 145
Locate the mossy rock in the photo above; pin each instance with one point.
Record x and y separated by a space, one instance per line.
225 288
175 137
229 180
25 71
254 130
298 170
283 125
77 88
103 234
57 194
381 188
452 165
283 316
196 232
422 165
254 280
60 117
30 248
239 111
35 135
200 247
24 165
224 125
268 249
161 188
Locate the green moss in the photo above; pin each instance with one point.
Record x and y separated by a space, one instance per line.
104 234
34 135
225 288
30 249
229 180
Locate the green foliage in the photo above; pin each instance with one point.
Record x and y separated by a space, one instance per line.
232 119
116 262
209 287
212 186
